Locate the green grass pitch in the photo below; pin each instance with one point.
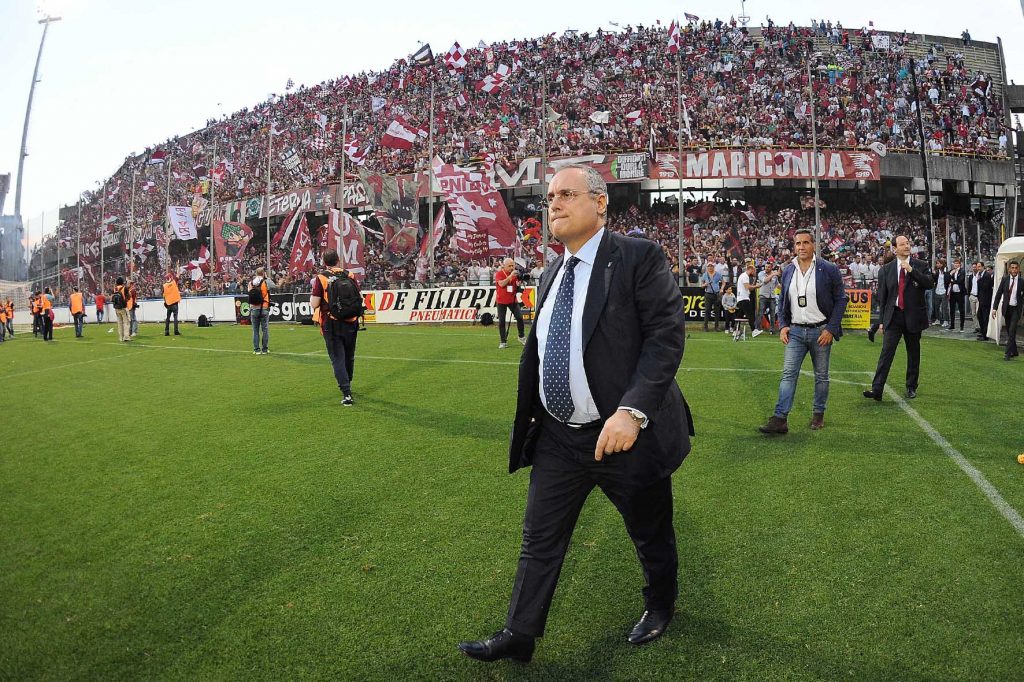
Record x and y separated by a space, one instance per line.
177 508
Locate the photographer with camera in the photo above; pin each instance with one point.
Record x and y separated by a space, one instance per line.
506 281
337 305
259 312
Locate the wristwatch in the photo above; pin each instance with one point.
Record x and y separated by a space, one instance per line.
639 417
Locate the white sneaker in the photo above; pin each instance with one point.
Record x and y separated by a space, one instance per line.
522 340
756 333
502 345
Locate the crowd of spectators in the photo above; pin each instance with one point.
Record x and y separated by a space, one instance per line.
742 88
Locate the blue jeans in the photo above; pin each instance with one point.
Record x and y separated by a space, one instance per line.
79 323
133 323
260 318
803 340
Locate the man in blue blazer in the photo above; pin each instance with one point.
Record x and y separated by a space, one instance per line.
811 314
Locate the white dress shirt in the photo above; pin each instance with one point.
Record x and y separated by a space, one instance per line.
585 410
802 284
1013 290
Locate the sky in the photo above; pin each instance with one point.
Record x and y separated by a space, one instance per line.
118 75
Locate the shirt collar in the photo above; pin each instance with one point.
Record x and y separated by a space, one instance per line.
587 252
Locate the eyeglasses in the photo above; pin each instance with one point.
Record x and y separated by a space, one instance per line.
566 195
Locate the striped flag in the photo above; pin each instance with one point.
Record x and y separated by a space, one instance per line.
673 38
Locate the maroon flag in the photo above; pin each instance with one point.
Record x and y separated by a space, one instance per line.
302 259
396 208
231 240
482 224
401 134
346 236
733 245
673 38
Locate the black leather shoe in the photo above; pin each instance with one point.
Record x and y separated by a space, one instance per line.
873 395
502 644
911 393
651 626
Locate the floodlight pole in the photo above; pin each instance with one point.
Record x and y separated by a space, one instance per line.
924 162
814 160
45 21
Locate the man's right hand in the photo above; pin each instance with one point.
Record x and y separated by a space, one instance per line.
784 335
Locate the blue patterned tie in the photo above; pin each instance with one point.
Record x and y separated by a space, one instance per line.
556 349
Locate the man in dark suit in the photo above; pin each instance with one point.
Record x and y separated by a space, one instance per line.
901 300
598 404
957 292
811 315
979 284
1012 298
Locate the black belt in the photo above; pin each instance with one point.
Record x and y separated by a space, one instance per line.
810 326
571 425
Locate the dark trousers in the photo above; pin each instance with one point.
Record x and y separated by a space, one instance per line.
340 339
711 309
47 326
894 331
1012 320
564 472
517 312
79 324
37 324
957 301
745 310
171 310
983 312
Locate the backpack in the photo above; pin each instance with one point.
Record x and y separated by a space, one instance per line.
344 301
256 293
119 301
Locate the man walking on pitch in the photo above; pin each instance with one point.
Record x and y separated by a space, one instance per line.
120 301
901 302
811 315
598 405
1012 298
76 303
337 306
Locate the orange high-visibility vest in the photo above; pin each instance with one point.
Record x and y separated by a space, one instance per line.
77 302
44 303
171 293
35 306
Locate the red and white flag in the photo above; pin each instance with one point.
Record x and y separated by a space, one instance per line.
198 267
401 134
456 58
148 186
482 224
302 259
635 117
461 100
353 153
344 82
673 38
494 82
158 156
346 236
284 233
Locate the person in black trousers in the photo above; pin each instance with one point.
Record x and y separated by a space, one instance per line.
711 283
608 414
901 288
1012 298
980 284
957 293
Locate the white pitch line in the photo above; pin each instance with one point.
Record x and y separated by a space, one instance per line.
71 364
1001 505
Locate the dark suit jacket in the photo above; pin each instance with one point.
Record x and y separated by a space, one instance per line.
984 289
960 280
915 316
1003 293
829 293
633 337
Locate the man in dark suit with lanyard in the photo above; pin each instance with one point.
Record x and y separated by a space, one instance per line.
813 302
901 286
1009 292
598 404
957 293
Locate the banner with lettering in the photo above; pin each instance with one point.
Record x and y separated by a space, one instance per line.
770 164
482 224
230 240
182 221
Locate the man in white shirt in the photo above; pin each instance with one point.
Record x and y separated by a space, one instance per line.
1009 292
745 284
813 302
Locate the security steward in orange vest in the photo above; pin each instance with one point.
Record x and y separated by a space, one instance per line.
171 299
339 335
76 302
10 317
37 319
133 306
45 312
3 322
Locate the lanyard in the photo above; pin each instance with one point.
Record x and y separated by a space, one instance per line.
805 278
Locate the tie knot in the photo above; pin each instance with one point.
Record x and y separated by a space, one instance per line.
571 263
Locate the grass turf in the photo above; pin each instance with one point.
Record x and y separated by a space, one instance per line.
178 508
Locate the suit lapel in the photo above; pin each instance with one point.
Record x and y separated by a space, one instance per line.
600 281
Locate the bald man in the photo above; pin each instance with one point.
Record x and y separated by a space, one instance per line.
506 286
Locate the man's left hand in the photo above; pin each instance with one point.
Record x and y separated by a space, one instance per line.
825 337
619 434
